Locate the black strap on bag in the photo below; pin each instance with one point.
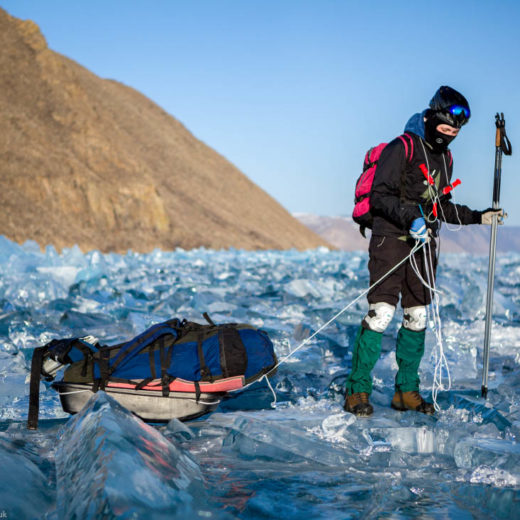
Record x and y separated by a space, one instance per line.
197 391
153 372
151 353
223 339
101 358
169 356
170 378
205 372
104 369
143 383
233 355
34 387
84 367
166 358
208 319
162 358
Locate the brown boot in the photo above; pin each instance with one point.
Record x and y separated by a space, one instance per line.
403 401
358 404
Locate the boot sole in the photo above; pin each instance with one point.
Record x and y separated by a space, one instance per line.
359 414
362 414
400 409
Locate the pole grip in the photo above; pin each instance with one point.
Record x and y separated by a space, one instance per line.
497 137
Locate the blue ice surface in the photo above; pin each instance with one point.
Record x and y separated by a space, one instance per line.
305 458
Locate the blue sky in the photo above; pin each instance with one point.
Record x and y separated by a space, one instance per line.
295 92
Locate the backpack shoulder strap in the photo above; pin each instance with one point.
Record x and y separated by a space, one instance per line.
407 141
450 157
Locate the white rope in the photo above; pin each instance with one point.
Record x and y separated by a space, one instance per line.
416 270
459 225
216 401
414 249
440 361
74 392
273 404
430 218
434 195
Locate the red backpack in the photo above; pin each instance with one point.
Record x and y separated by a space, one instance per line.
362 211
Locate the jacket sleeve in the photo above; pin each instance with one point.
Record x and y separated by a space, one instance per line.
385 197
458 213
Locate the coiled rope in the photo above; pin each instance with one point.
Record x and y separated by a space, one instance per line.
439 357
433 317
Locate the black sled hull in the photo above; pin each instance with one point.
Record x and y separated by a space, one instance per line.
149 405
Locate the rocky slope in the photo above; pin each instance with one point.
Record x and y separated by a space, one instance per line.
89 161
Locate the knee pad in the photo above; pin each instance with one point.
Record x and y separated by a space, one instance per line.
379 316
414 318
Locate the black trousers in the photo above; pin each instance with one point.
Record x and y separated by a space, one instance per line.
385 253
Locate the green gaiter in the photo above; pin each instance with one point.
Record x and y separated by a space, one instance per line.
409 352
366 353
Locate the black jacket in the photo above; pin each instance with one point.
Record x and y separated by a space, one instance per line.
401 189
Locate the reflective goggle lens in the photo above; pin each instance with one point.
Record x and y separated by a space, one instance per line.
458 110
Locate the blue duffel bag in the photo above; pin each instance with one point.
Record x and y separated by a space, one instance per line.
169 350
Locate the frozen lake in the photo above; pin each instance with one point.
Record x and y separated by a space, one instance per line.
304 458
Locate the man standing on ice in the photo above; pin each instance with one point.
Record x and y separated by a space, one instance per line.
410 194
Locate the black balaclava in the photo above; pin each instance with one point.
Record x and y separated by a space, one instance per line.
445 108
437 140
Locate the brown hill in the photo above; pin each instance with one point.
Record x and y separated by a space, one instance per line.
92 162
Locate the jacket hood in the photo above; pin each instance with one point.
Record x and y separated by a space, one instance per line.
416 124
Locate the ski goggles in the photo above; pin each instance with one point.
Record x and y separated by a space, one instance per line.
458 111
456 116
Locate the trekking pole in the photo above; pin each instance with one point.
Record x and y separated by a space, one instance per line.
502 145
